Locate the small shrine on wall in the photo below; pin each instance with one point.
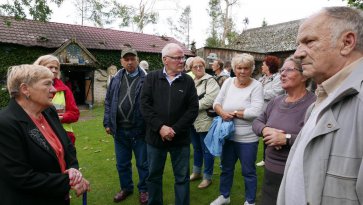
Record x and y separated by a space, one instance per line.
73 52
77 68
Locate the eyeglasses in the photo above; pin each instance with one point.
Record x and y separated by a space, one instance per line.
198 66
178 58
288 70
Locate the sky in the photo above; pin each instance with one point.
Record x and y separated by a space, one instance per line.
273 11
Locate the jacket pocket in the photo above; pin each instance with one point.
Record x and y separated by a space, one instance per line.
341 180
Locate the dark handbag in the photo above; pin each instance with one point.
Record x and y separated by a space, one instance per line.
210 111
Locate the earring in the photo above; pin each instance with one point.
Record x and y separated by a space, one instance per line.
27 97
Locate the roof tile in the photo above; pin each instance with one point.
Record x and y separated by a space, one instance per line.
25 32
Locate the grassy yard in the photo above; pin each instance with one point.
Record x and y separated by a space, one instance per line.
97 161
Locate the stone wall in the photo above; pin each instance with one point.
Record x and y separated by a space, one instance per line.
100 84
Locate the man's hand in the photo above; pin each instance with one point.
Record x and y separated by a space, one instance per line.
108 130
166 133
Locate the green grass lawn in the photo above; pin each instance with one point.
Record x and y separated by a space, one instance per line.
97 161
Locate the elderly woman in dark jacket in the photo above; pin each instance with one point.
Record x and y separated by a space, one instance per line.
38 164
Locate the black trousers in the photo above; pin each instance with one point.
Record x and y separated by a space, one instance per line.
270 187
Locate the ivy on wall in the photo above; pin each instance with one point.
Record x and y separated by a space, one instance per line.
4 98
108 58
11 54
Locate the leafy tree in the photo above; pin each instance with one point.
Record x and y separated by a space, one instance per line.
227 21
215 12
212 42
356 3
37 9
222 27
185 21
171 25
139 16
95 11
232 36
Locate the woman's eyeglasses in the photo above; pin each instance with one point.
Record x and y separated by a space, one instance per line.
288 70
198 66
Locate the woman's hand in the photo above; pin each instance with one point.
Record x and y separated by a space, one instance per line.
239 113
75 176
82 187
227 116
273 137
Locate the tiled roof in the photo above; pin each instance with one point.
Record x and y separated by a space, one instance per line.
53 35
274 38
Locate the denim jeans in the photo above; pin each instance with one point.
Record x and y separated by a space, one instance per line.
180 163
201 153
126 141
246 153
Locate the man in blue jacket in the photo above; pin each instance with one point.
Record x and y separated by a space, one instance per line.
169 104
123 120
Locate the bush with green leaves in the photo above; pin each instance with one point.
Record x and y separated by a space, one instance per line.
4 97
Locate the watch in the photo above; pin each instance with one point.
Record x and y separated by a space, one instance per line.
288 137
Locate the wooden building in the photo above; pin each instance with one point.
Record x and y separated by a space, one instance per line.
278 40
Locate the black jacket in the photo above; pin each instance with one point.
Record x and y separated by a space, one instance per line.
174 105
29 170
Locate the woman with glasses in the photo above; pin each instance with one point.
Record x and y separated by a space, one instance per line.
240 100
271 85
207 90
63 99
280 123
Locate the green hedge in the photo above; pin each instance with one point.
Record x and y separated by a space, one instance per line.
11 54
107 58
4 98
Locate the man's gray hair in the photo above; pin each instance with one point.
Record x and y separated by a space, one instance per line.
168 47
345 19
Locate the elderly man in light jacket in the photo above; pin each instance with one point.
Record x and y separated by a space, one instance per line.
325 164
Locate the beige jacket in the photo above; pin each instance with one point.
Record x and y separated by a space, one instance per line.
208 85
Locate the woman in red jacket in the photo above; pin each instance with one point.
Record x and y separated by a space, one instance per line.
63 99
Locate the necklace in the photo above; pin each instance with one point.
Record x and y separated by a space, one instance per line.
40 122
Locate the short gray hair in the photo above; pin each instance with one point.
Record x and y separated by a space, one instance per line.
345 19
46 59
298 64
168 47
296 61
144 64
43 60
245 58
28 74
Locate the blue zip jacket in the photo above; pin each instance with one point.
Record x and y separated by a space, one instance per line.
218 132
112 101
